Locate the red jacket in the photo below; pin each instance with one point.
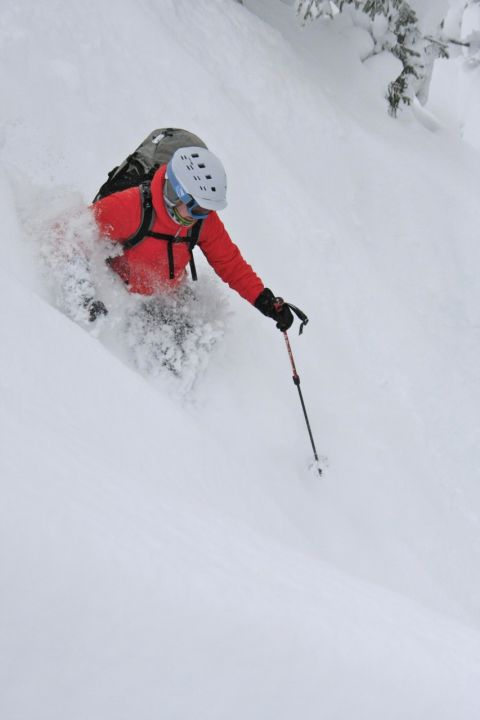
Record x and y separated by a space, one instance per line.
144 268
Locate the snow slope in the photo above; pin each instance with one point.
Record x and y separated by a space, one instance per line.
171 556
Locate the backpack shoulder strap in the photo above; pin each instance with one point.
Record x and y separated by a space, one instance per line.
194 233
146 224
193 236
147 217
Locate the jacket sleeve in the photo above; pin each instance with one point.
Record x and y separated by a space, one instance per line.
118 216
227 261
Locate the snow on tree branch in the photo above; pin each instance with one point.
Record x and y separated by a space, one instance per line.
403 37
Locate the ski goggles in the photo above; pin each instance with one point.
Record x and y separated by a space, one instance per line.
174 193
195 210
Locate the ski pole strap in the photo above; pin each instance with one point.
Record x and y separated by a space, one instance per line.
300 315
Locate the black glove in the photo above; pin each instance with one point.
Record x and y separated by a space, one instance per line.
275 308
95 308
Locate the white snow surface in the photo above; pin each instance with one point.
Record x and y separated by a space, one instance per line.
165 549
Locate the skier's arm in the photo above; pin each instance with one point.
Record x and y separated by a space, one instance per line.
227 261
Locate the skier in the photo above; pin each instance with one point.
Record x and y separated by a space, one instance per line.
189 189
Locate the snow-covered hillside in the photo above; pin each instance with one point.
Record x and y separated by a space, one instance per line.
168 553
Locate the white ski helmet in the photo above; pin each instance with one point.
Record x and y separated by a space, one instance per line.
195 173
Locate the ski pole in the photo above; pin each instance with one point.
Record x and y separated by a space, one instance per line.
296 381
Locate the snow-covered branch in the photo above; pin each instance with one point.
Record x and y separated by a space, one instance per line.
403 36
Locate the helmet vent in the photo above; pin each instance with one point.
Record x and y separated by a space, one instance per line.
213 189
201 165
